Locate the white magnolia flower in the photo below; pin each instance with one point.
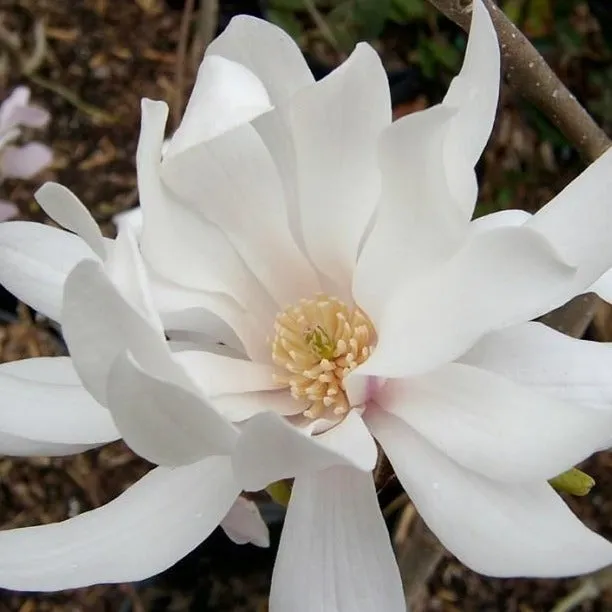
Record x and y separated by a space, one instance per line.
317 272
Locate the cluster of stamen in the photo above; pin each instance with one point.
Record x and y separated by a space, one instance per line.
316 344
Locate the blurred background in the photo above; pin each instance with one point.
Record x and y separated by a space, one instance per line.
89 62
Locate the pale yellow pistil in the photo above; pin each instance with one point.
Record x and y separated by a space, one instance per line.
316 344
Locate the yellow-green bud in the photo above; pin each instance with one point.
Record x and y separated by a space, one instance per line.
574 482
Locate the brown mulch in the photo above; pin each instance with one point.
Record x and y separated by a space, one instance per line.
110 54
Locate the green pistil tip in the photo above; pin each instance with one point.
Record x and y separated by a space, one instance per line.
320 343
574 482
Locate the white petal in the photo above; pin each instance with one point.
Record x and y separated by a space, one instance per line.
7 210
131 218
225 95
474 94
245 198
582 240
603 287
242 406
550 362
500 277
43 400
417 223
145 530
67 210
173 237
501 218
36 260
219 374
243 524
269 52
214 314
335 553
495 427
16 446
336 124
497 529
99 324
163 422
270 449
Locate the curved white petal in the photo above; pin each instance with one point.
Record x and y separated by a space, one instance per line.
219 374
242 406
163 422
131 218
335 125
270 449
214 314
225 95
67 210
25 161
243 524
17 446
99 324
245 198
173 237
36 260
335 553
473 93
417 224
497 529
603 287
502 218
500 277
582 240
550 362
495 427
145 530
267 51
43 400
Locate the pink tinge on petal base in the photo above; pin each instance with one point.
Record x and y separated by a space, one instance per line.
7 210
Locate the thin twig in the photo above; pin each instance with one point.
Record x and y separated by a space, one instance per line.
206 28
528 73
181 55
323 27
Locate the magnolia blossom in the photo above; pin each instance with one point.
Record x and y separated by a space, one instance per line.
20 161
307 279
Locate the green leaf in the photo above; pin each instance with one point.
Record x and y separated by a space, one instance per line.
407 10
370 17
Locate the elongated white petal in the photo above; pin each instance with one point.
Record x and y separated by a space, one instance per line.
492 426
497 529
335 552
417 223
270 449
99 325
335 125
219 374
549 362
603 287
216 315
145 530
502 218
582 240
17 446
36 260
473 93
239 176
267 51
67 210
242 406
173 237
26 161
500 277
225 95
243 524
43 400
163 422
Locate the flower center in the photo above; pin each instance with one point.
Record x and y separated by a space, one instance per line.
317 343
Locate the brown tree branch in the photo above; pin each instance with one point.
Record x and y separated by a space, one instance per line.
528 73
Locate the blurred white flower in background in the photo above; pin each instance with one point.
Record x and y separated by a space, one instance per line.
322 285
26 160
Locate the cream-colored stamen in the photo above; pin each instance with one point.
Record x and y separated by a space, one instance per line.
316 344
